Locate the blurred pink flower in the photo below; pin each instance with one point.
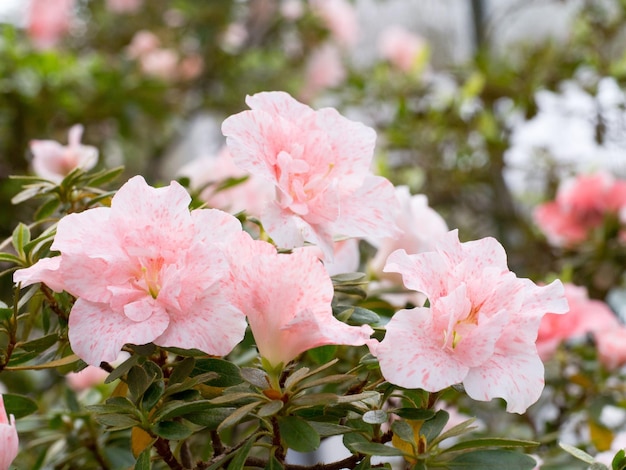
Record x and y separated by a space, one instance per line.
292 9
87 378
480 329
190 67
340 18
611 345
585 315
54 161
9 440
124 6
287 299
142 43
400 47
160 63
581 205
250 195
144 270
324 69
48 21
319 162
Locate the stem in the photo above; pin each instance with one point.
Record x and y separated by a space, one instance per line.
162 447
54 305
276 442
349 462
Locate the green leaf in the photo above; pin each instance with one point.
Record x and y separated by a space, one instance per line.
122 369
414 414
174 409
238 415
492 460
143 461
376 417
348 278
228 373
576 452
211 418
432 428
5 314
47 209
172 430
374 448
329 429
10 258
270 408
491 442
189 383
20 237
104 176
404 431
239 460
40 344
322 354
256 377
182 370
117 421
619 461
298 434
152 395
18 405
138 382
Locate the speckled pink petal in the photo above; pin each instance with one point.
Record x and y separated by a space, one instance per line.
211 325
9 439
370 211
280 103
46 270
214 226
97 333
412 355
423 272
517 378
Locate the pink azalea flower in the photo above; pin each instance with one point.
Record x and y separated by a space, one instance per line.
340 18
611 345
87 378
480 329
401 47
49 21
585 315
250 195
287 299
144 270
346 260
142 43
54 161
324 69
9 441
160 63
124 6
581 205
319 162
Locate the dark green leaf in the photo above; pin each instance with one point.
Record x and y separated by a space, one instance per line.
182 370
40 344
122 368
239 460
492 460
190 383
228 373
619 461
174 409
138 382
172 430
5 314
211 418
329 429
298 434
104 176
373 448
415 414
47 209
117 421
432 428
348 278
152 395
18 405
237 415
273 464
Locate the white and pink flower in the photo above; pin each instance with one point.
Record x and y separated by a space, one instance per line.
402 48
319 162
54 161
144 270
48 21
480 329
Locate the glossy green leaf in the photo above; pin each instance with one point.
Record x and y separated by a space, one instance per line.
18 405
432 428
152 395
298 434
239 460
47 209
20 237
172 430
322 354
122 369
143 461
104 176
228 374
182 370
138 382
